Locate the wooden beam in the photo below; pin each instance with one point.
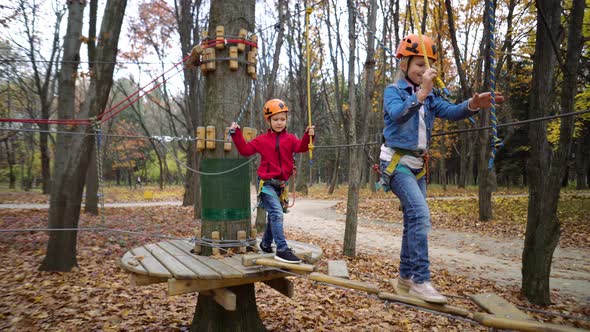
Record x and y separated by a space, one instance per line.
224 297
423 304
281 265
248 260
338 269
281 285
497 306
358 285
144 280
179 286
520 325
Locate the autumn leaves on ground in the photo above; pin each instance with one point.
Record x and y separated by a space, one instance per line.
98 295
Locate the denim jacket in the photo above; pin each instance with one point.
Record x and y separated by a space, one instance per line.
401 114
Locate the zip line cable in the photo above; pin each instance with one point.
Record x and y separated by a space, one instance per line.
190 138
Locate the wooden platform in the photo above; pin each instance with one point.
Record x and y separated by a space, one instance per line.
172 261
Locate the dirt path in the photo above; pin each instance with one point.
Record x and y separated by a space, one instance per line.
469 254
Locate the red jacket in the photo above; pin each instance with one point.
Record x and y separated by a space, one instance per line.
276 151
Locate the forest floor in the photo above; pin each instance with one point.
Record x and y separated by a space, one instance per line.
466 257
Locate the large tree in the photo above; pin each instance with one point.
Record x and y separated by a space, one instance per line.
547 166
73 151
225 94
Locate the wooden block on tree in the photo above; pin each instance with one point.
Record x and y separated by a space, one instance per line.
242 34
497 306
215 236
210 137
200 133
224 297
358 285
219 37
338 269
249 133
227 143
281 285
233 55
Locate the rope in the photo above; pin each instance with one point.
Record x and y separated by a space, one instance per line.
204 173
190 138
308 11
98 131
496 142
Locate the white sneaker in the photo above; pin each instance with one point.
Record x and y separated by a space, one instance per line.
425 291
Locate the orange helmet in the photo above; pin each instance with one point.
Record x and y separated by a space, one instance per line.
411 45
273 107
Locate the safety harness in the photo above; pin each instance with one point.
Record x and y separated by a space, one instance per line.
398 154
281 186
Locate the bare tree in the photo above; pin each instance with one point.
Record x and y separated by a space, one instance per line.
43 71
73 151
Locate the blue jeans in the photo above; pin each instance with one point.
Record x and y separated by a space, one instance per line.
274 223
414 261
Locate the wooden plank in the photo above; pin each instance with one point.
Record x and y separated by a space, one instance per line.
337 268
130 263
144 280
200 270
150 263
358 285
177 287
423 304
520 325
281 285
286 266
224 297
178 270
225 270
497 306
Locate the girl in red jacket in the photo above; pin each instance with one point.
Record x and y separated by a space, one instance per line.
276 149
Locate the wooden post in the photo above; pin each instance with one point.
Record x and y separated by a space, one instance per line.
253 235
215 249
242 34
200 133
242 237
227 143
219 32
210 138
233 55
197 249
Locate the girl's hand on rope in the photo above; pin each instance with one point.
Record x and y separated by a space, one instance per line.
310 130
234 126
484 100
428 78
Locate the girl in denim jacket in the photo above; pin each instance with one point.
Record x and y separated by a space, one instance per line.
410 108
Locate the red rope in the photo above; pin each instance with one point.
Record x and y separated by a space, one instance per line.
106 114
113 108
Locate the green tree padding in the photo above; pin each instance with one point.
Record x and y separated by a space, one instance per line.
225 196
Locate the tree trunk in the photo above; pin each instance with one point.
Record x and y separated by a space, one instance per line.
73 152
186 15
91 205
543 230
210 316
582 159
350 118
225 93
